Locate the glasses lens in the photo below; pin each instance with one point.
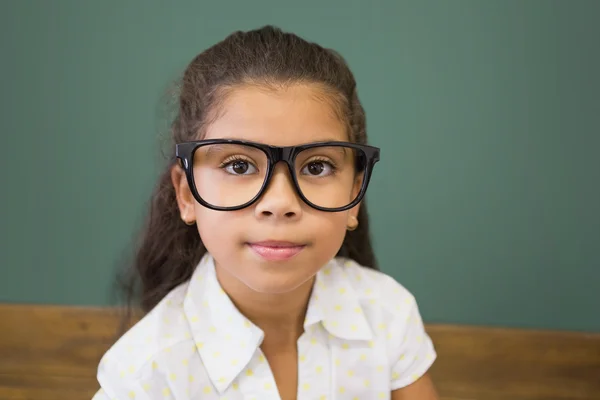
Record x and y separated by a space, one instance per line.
330 176
229 175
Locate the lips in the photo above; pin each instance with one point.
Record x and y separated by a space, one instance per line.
276 250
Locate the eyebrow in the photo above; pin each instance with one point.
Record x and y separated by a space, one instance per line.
220 147
344 151
327 140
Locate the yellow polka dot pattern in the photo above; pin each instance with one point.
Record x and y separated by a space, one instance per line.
364 338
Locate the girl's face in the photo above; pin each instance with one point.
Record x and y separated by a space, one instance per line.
295 115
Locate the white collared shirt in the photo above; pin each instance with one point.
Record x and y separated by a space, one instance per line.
363 338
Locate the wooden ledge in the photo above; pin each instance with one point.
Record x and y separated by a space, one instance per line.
52 352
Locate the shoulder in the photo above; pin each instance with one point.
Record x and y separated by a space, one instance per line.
164 329
395 320
376 291
390 309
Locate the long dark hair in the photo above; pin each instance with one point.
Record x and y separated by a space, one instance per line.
168 250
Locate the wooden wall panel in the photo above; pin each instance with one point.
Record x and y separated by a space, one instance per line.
51 353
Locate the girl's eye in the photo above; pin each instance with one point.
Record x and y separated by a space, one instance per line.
239 167
318 168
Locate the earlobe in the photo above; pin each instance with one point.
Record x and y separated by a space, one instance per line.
185 199
352 223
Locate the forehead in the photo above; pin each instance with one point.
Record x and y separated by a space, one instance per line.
282 117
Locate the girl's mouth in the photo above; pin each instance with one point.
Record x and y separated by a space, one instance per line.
272 250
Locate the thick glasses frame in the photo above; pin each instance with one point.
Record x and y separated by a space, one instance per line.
185 152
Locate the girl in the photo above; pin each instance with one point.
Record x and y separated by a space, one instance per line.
256 269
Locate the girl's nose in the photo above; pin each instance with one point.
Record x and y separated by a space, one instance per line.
280 199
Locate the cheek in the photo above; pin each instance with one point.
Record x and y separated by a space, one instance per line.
329 230
222 232
213 238
338 221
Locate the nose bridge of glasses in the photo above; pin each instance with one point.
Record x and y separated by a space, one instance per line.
285 154
278 154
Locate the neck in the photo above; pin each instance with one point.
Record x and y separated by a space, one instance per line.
280 316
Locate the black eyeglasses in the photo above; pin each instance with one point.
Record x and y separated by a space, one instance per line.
228 175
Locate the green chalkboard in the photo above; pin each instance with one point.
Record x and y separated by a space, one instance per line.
486 203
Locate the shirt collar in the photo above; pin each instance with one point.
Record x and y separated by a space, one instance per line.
224 338
334 304
227 341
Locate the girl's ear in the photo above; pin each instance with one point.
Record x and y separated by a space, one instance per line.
352 220
185 198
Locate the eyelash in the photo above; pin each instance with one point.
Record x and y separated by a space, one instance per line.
323 160
231 159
